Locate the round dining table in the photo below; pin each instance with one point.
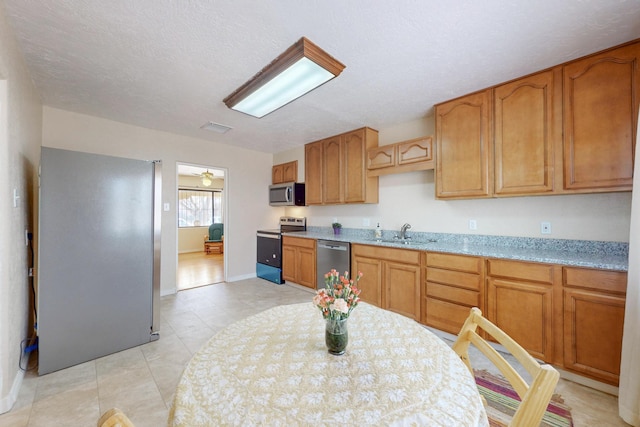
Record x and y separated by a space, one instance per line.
273 369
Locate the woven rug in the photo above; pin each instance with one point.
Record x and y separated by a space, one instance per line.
502 402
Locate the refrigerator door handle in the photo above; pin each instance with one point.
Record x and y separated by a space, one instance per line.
157 230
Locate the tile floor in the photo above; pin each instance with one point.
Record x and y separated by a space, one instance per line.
141 380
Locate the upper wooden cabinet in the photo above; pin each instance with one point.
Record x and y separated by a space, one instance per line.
335 169
284 172
313 163
601 109
463 144
528 130
406 156
569 129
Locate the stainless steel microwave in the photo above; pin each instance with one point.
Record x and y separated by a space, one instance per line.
287 194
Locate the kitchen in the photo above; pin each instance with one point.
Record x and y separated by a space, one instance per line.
403 198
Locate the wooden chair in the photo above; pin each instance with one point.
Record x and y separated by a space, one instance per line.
535 397
114 418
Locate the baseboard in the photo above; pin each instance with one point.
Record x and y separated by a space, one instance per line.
588 382
165 292
6 403
241 277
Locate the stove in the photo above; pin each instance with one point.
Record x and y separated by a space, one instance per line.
269 248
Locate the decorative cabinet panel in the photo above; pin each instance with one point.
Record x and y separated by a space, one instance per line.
594 303
601 97
453 285
285 172
299 261
520 302
463 144
391 278
407 156
335 171
313 169
527 120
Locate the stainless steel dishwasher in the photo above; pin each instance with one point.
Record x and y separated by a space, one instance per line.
331 254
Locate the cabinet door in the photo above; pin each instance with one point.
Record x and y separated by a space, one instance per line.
313 168
354 168
415 151
371 282
526 134
601 99
332 171
382 157
289 260
277 176
290 171
306 267
524 312
593 324
402 289
463 146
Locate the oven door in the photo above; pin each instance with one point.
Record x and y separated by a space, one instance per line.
270 249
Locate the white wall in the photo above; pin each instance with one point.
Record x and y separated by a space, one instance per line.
20 137
410 197
248 173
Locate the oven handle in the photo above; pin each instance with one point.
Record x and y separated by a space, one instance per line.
269 236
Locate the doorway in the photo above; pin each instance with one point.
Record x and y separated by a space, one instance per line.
201 201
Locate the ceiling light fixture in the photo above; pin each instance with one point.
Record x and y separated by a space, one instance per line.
300 69
207 178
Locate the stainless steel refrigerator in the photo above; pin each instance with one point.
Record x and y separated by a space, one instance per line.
98 256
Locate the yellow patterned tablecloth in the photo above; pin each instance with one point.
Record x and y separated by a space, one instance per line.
273 369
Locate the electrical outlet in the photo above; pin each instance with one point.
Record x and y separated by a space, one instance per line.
26 237
545 227
366 222
473 225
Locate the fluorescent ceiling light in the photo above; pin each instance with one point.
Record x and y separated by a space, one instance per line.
300 69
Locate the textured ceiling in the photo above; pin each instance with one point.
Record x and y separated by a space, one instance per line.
167 64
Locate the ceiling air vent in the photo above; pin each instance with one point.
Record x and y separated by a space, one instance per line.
215 127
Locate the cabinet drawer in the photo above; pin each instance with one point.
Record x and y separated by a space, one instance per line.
454 262
453 294
455 278
520 270
446 316
298 241
609 281
400 255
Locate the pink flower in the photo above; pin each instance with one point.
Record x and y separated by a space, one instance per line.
339 305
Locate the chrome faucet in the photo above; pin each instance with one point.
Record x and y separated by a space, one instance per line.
403 231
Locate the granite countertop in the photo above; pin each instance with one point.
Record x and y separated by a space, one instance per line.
579 253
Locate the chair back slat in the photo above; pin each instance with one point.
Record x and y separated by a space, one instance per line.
536 396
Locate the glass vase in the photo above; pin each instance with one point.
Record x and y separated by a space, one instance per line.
336 336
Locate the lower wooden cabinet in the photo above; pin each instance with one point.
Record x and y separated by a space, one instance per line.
299 261
391 278
453 285
520 302
594 303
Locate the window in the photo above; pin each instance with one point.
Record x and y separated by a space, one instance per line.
199 208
